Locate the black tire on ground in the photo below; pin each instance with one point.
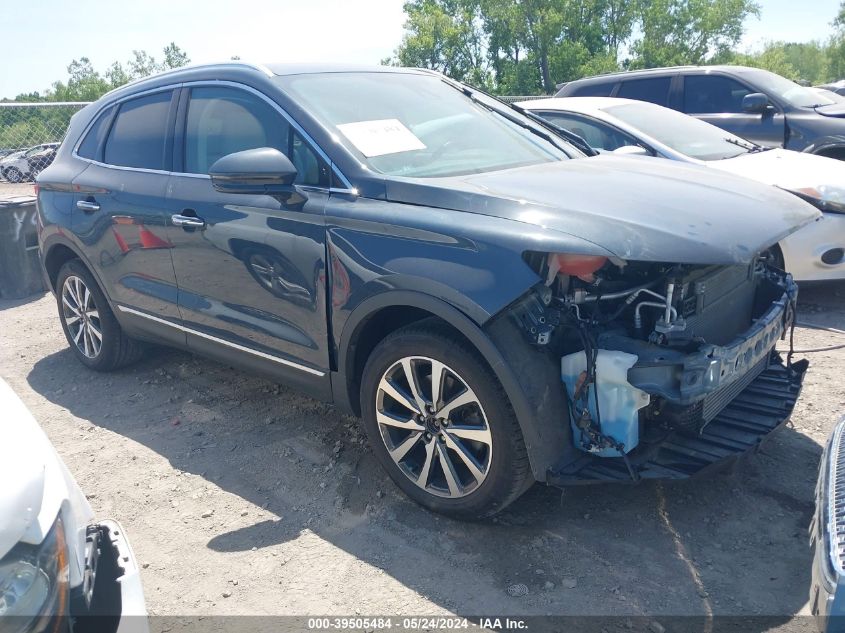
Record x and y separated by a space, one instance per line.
508 473
13 174
117 349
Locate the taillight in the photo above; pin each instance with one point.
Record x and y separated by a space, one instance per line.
37 188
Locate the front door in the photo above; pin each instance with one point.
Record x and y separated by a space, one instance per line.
717 99
251 272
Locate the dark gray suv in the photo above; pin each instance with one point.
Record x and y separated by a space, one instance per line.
756 104
497 306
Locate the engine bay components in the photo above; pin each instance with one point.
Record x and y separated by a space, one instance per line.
647 348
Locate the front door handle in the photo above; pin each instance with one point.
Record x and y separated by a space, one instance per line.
89 206
187 222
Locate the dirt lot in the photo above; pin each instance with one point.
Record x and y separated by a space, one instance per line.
242 497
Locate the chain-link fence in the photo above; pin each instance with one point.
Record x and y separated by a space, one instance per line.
30 133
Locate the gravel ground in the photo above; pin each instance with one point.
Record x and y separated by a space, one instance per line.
243 497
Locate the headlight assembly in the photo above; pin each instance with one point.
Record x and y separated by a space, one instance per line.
34 584
824 197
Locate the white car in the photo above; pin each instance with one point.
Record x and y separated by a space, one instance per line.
25 164
57 565
623 126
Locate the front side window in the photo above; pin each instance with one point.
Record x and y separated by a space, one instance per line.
414 125
713 94
598 135
223 120
682 133
653 90
137 137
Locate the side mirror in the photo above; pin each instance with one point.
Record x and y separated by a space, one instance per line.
262 170
631 150
755 103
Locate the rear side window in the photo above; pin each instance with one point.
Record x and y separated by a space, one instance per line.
137 137
593 90
653 90
224 120
93 141
713 94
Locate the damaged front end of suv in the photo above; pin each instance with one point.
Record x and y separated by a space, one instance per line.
669 368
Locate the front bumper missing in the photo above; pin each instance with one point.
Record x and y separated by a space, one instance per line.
750 418
684 379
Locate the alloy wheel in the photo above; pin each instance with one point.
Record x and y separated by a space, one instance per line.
434 427
82 317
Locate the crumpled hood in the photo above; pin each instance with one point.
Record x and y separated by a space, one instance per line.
785 169
637 208
35 481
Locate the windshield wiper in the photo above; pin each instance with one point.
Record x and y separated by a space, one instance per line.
556 133
752 148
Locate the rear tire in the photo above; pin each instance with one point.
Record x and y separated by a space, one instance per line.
14 175
91 329
458 451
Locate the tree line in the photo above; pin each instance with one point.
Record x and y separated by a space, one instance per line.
85 83
526 47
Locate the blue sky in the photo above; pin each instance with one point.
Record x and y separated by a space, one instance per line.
49 34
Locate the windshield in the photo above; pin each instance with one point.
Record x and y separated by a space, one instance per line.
416 125
786 90
682 133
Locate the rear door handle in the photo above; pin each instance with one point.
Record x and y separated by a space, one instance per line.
89 206
187 222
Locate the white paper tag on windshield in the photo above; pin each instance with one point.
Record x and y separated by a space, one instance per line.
377 138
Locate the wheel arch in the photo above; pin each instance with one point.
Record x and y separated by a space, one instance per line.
378 316
828 146
56 257
56 252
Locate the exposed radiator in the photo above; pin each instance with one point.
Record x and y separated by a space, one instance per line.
717 306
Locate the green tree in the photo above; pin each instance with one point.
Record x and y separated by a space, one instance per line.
526 46
444 35
836 47
175 57
676 32
83 84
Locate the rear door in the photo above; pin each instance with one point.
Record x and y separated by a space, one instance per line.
121 216
252 279
717 99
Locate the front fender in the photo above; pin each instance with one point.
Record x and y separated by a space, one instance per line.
529 377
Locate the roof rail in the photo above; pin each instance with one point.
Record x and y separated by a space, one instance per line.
171 71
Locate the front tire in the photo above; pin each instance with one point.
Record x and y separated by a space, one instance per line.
440 424
91 329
